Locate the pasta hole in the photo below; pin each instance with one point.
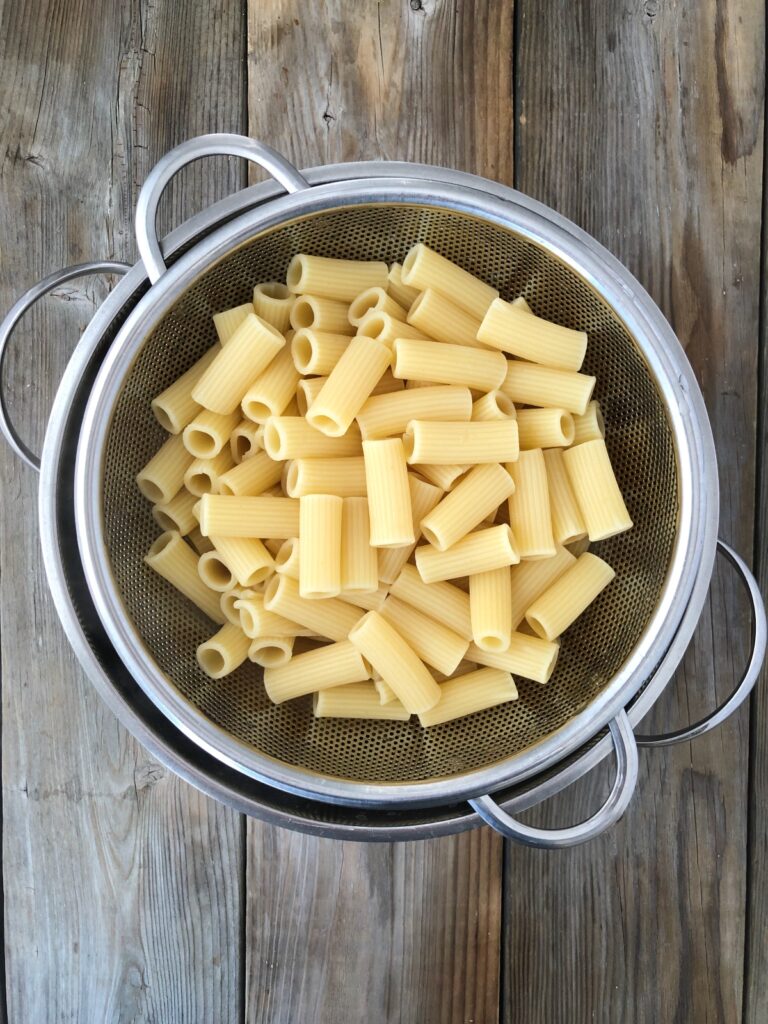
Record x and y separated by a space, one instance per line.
151 490
415 304
247 619
242 446
567 428
161 544
408 444
274 290
292 480
408 263
163 418
272 591
295 273
258 575
369 300
537 626
273 441
256 410
211 661
201 443
374 326
503 403
164 521
285 552
200 483
214 572
302 351
328 425
492 643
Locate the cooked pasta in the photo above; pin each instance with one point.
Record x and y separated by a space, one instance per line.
481 492
175 407
470 693
321 314
432 641
227 322
442 602
245 557
240 362
312 476
530 579
288 556
389 497
331 617
596 491
253 476
490 606
385 328
494 405
317 351
177 514
519 333
401 293
227 516
320 539
357 700
359 560
570 595
256 621
528 656
208 433
271 392
424 268
377 300
245 440
590 426
203 476
567 520
270 651
424 497
385 415
273 301
163 475
449 364
529 512
532 384
224 652
291 437
176 562
336 279
307 391
477 552
545 428
337 664
443 320
349 384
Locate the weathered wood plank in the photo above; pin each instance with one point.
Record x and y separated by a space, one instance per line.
122 884
431 82
642 122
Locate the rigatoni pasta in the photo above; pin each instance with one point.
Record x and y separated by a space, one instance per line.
176 562
529 512
396 662
424 268
272 391
443 320
477 552
481 491
320 538
439 443
519 333
596 491
532 384
228 320
175 407
349 384
358 700
226 516
562 603
590 426
389 497
470 693
273 301
224 652
401 293
490 606
359 560
336 279
567 520
317 351
377 300
321 314
545 428
385 415
335 665
432 641
163 475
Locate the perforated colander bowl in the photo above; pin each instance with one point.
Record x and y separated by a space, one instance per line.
657 434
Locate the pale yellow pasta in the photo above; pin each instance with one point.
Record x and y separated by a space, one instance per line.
200 543
565 600
311 476
400 292
253 476
432 641
228 320
245 557
567 520
396 662
430 442
443 320
223 515
490 605
307 391
177 513
389 496
596 491
520 303
175 407
545 428
371 602
442 602
245 440
203 476
470 693
332 617
359 561
424 497
448 364
320 539
533 384
337 279
529 656
375 299
481 491
163 475
214 572
321 314
270 651
493 406
530 579
334 665
424 268
518 332
288 557
578 547
176 562
444 477
240 362
390 414
256 621
477 552
273 302
224 652
385 328
590 426
209 432
386 384
227 602
349 385
317 351
385 691
271 392
529 513
291 437
357 700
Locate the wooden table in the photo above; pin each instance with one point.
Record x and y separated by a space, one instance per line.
129 896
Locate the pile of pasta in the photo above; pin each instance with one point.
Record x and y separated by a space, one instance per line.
381 484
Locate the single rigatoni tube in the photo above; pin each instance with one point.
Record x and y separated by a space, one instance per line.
385 691
477 552
163 475
271 392
200 543
227 603
357 700
545 428
562 603
175 407
439 443
442 602
321 314
251 477
424 497
223 515
518 332
385 328
443 320
527 656
291 437
214 572
245 440
493 406
490 605
389 497
533 384
400 292
578 547
396 662
529 513
240 362
424 268
349 385
224 652
271 651
590 426
336 279
320 539
307 391
228 320
444 477
371 602
334 665
332 617
448 364
317 351
245 557
272 301
375 299
390 414
432 641
567 520
481 491
312 476
530 579
470 693
203 475
208 433
256 621
177 513
359 561
288 556
596 490
176 562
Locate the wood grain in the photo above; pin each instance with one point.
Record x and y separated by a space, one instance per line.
642 122
430 82
122 884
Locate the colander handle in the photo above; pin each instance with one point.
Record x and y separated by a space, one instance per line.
221 144
751 672
7 327
613 808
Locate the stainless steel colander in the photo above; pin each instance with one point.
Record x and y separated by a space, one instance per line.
658 436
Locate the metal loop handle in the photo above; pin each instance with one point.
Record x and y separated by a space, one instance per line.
613 808
16 312
221 144
751 672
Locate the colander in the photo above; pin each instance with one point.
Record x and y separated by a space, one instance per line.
658 436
